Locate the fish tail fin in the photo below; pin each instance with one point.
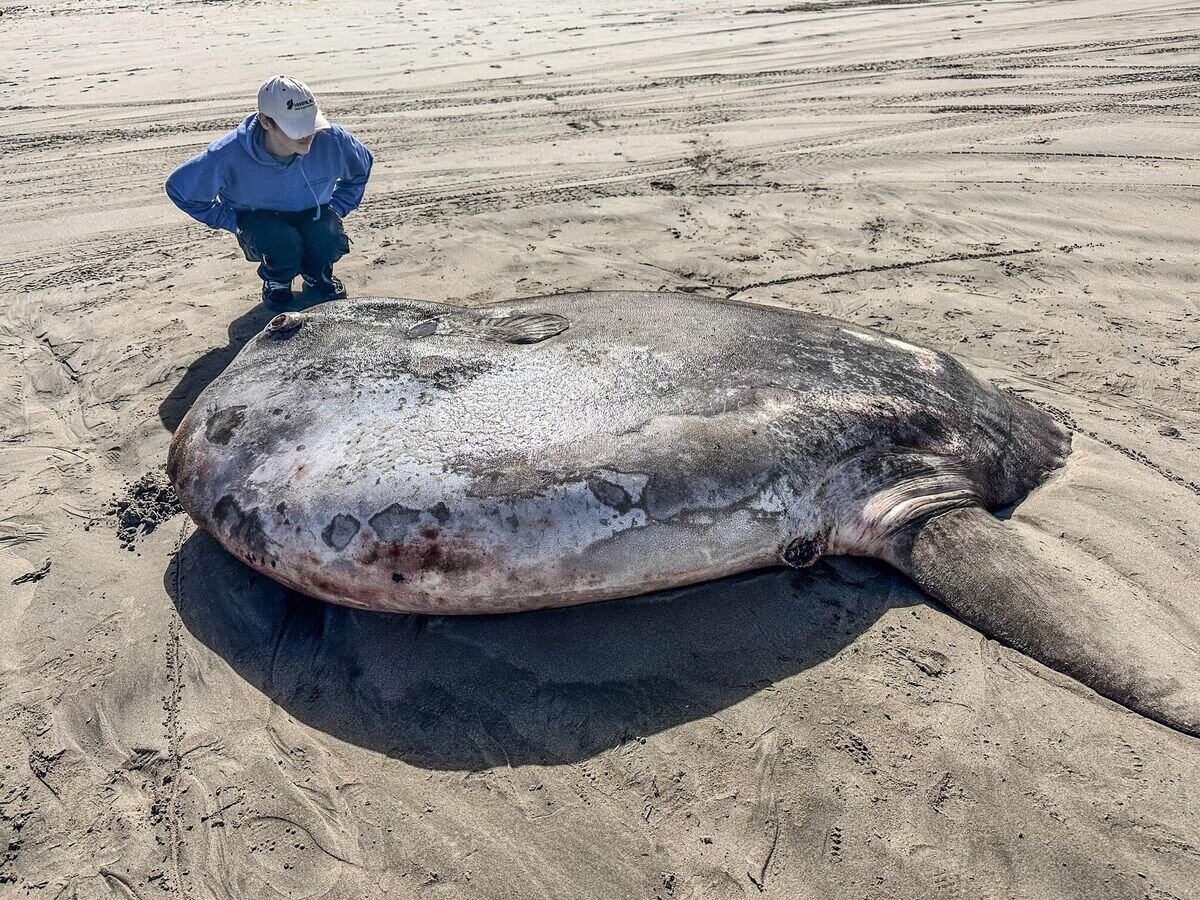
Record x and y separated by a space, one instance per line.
1060 606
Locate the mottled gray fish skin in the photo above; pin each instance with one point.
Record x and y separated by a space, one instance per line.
412 456
399 455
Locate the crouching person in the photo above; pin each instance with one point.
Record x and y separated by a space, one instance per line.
282 182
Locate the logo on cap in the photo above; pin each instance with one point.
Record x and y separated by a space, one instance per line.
291 104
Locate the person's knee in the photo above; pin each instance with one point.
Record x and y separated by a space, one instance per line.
327 241
268 236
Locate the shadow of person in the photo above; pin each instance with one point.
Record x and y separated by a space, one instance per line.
467 693
205 369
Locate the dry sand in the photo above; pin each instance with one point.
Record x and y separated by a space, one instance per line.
1009 180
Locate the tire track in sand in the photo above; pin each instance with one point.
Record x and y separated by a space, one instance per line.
171 704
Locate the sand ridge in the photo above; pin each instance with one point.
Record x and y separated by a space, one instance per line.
1009 181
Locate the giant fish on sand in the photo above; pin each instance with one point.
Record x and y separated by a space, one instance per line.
419 457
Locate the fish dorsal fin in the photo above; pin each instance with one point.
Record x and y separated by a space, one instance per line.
521 328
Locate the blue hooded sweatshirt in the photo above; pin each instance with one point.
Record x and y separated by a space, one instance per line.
236 172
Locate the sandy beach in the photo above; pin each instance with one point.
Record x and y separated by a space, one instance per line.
1011 181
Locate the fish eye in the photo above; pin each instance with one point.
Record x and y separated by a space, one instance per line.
285 323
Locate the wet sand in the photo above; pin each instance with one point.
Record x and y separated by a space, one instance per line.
1013 182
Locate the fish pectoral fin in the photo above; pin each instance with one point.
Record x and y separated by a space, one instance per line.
1059 605
521 328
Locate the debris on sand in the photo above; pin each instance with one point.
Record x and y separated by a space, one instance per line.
148 502
36 575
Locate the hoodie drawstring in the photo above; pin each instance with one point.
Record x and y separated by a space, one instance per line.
304 175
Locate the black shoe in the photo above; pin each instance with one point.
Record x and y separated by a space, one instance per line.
277 295
331 289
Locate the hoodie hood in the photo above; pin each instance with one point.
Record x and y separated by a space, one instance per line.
250 136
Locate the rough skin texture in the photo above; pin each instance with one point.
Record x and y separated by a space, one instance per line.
412 456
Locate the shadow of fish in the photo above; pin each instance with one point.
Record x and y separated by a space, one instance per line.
412 456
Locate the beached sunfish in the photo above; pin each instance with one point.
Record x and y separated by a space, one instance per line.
412 456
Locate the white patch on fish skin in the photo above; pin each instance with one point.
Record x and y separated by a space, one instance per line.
860 403
770 500
580 520
926 359
862 336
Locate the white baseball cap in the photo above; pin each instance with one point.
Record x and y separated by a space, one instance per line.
291 105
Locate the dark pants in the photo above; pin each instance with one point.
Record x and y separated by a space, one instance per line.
286 244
